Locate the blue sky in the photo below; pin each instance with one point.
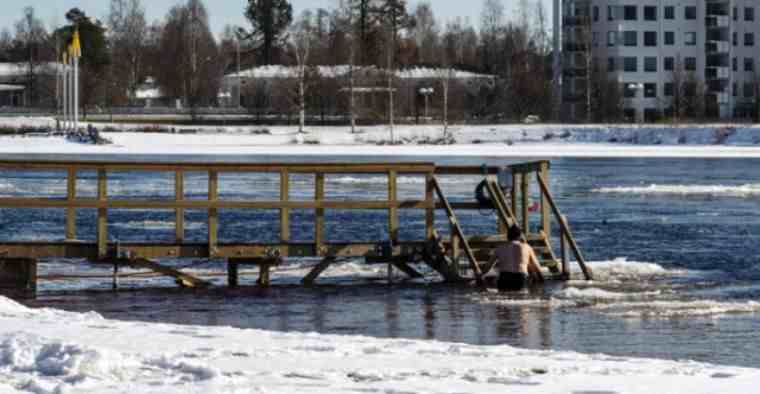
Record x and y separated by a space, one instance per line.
221 12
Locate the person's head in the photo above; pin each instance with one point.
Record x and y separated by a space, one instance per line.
513 234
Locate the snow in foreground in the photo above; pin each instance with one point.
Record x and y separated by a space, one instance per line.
50 351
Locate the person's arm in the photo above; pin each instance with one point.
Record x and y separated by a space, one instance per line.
533 267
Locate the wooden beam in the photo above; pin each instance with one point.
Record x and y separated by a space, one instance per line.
183 279
458 229
430 201
515 191
71 213
525 203
221 204
179 213
284 212
545 209
264 275
566 229
318 270
319 215
392 212
300 168
102 227
213 213
407 269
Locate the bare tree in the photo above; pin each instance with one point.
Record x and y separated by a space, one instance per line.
128 31
425 32
31 34
491 28
445 74
346 21
301 36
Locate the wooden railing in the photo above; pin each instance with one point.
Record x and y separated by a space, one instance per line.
103 249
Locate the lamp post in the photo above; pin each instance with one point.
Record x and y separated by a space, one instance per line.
426 92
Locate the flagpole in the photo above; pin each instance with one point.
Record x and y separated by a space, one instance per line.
65 93
76 93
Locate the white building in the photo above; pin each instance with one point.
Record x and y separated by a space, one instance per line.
640 44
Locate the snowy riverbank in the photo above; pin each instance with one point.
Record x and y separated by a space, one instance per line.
50 351
503 141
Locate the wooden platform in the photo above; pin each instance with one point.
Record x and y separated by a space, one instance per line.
442 255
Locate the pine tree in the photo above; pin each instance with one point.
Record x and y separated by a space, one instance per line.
269 20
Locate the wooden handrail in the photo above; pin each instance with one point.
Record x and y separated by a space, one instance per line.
458 230
565 228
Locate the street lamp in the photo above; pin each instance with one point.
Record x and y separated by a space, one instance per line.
426 92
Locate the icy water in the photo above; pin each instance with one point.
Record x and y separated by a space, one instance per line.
674 245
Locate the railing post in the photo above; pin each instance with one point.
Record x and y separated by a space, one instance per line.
525 203
71 212
319 218
102 230
393 211
563 249
179 213
515 190
213 213
545 209
284 212
430 201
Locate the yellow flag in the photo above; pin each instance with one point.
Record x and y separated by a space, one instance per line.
65 57
76 44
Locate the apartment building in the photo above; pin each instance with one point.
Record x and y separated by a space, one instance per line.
656 50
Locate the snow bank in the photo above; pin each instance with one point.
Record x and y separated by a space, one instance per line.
83 354
501 141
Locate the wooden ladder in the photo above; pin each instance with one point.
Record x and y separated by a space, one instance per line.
458 230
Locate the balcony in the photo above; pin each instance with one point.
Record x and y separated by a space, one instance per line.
717 73
717 47
717 21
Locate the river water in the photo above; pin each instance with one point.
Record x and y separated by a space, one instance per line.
674 245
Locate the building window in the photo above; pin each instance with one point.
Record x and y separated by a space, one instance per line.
630 64
629 114
596 14
735 39
749 39
650 90
670 38
690 13
670 12
630 13
668 89
629 89
611 64
736 13
650 13
630 38
691 38
651 114
735 64
612 38
734 89
650 64
669 64
749 14
650 38
690 64
749 64
749 92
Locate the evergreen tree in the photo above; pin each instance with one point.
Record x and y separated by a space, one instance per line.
269 20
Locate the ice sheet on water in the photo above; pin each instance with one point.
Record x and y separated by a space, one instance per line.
746 190
600 295
622 269
676 308
157 225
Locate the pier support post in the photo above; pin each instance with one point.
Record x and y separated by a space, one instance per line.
18 274
232 273
264 270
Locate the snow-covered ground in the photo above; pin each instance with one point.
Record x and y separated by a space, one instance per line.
518 141
51 351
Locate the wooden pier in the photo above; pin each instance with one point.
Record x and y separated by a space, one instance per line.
18 260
